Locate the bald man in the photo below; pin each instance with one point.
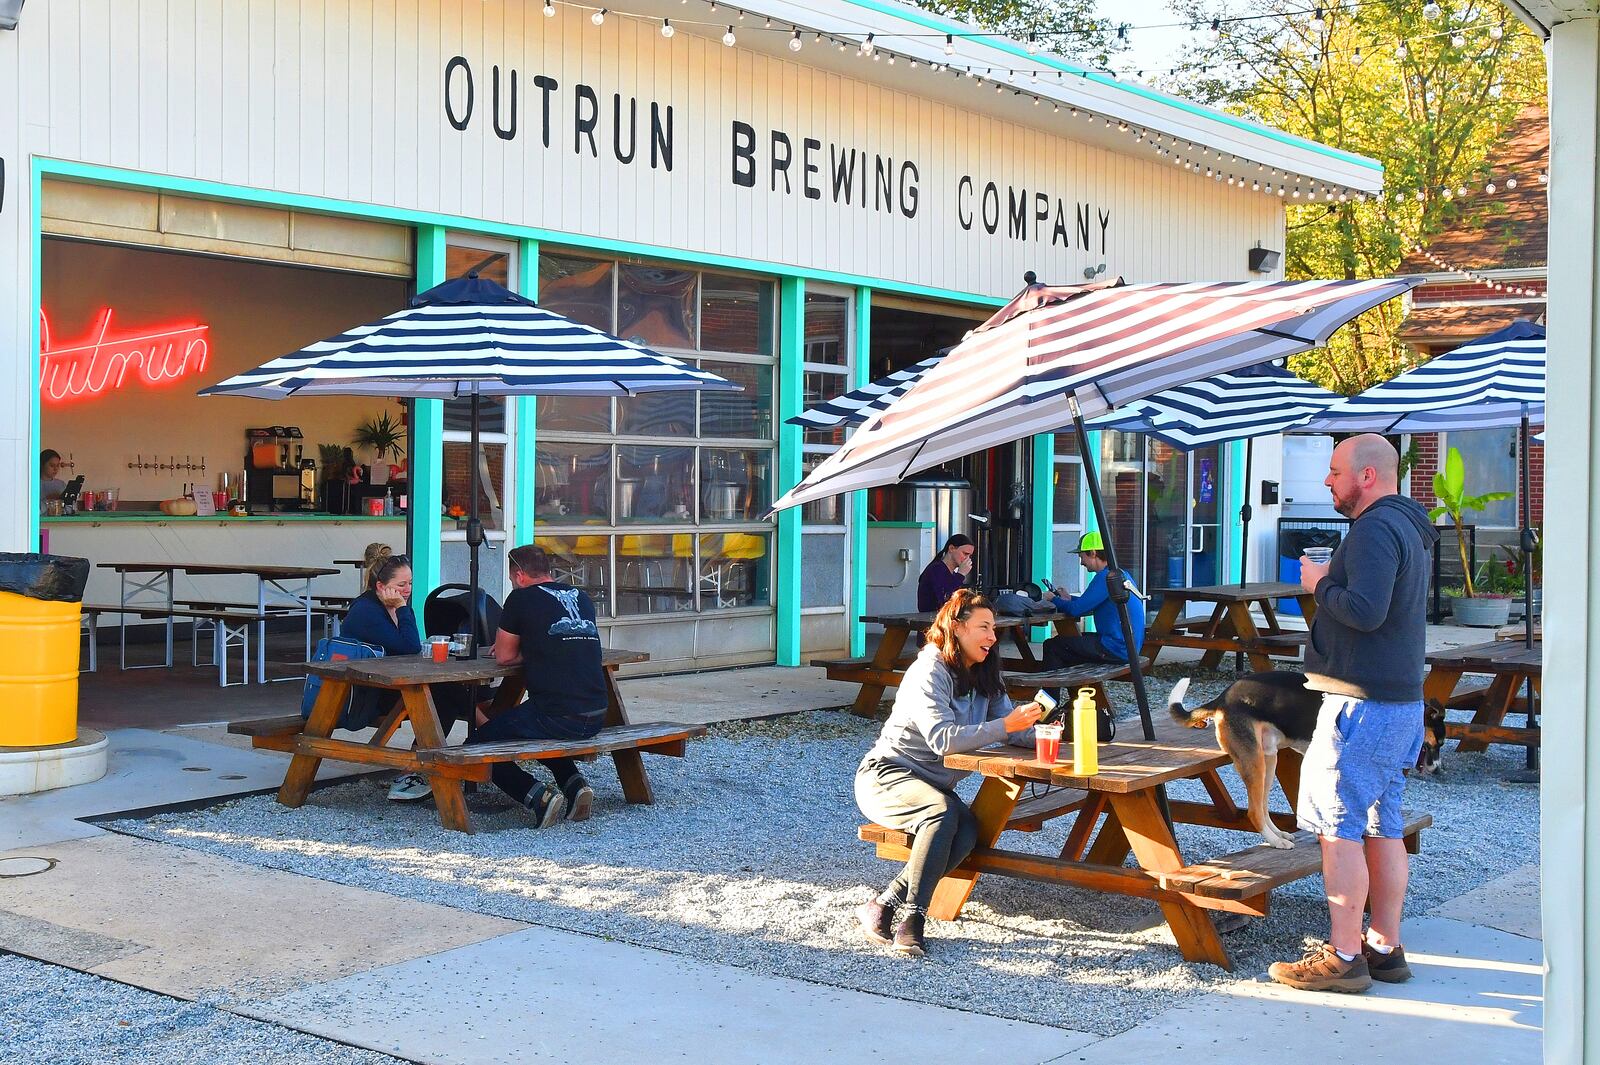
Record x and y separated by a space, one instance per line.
1366 658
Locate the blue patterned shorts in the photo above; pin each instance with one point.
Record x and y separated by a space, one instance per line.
1355 767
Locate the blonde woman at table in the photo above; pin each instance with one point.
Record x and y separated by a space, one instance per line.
951 700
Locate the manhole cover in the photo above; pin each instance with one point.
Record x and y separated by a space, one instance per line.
25 865
231 776
197 769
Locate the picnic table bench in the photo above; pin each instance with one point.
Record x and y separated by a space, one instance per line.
448 768
1231 628
1121 802
1510 667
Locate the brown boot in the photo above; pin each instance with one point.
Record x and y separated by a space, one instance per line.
1321 969
908 938
1391 968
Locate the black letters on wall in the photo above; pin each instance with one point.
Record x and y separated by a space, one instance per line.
458 65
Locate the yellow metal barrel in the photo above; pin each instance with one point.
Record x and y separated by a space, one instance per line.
38 671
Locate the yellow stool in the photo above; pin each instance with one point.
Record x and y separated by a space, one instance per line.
39 681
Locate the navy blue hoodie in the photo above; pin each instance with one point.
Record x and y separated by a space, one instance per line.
1369 636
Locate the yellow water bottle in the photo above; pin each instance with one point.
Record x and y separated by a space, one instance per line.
1085 734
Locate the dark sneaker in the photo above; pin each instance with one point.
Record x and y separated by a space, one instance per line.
1321 969
546 804
908 937
1391 968
580 799
877 921
412 787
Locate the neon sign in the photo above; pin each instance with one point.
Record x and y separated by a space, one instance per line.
104 361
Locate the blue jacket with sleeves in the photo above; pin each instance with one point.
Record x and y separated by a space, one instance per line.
1096 600
368 621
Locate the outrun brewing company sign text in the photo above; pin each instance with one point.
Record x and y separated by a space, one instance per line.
636 133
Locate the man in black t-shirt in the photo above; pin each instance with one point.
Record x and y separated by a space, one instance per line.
548 628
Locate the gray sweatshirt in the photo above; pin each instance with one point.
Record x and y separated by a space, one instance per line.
930 721
1369 636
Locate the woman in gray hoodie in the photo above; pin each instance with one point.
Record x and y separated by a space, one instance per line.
951 700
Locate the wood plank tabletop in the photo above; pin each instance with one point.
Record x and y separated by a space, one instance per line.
217 569
1126 765
402 670
1235 593
1497 656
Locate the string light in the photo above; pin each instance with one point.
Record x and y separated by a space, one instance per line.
949 44
729 39
1473 275
1431 10
599 17
549 10
795 44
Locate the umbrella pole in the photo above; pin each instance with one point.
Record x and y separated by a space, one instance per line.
1115 585
474 532
1244 539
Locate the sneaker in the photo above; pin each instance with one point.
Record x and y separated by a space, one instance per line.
1321 969
908 937
546 804
877 921
580 799
412 787
1391 968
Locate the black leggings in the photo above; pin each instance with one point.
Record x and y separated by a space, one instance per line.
943 829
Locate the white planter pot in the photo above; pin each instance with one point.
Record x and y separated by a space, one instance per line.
1489 613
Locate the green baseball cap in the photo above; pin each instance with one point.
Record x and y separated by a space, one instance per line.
1091 541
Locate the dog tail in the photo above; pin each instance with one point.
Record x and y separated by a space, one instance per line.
1181 713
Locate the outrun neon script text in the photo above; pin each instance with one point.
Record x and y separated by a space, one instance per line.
104 361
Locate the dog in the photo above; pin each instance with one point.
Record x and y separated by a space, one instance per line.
1430 759
1258 716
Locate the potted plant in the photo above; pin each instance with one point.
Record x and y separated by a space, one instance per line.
381 435
1497 585
1449 488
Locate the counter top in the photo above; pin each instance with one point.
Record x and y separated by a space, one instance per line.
118 517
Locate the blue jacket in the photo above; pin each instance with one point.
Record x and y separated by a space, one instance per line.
1096 600
368 621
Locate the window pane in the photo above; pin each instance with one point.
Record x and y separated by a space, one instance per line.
1066 443
1068 506
656 306
583 562
733 484
491 415
574 414
577 288
738 414
734 569
828 510
1490 459
492 265
656 414
655 483
655 573
822 569
573 483
736 314
1122 486
827 329
491 482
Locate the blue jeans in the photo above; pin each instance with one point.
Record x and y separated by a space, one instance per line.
1354 772
525 722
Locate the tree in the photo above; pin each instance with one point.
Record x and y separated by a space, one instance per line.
1067 27
1427 95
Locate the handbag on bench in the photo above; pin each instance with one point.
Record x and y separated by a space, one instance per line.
361 708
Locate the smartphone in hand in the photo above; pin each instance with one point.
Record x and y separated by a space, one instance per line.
1048 703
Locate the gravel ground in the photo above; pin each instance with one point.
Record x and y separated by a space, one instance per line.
750 858
65 1017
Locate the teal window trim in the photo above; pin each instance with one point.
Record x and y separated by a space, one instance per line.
791 397
116 176
1234 493
427 445
942 25
858 500
35 405
1044 517
522 487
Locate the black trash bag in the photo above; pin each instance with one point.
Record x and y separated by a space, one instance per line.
52 578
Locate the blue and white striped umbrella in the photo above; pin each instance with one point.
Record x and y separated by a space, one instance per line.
1491 383
467 336
859 404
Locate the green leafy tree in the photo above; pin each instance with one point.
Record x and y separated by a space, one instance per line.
1069 28
1431 112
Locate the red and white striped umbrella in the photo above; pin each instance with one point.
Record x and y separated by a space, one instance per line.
1099 345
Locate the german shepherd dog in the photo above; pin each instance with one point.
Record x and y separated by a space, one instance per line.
1262 713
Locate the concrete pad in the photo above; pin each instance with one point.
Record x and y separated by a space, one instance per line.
731 695
1477 995
1510 903
545 996
146 769
186 924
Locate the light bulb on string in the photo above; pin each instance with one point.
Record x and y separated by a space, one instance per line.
1496 32
1355 59
666 28
1033 42
549 10
1544 177
949 44
1401 52
1511 182
599 17
1458 40
1318 23
1431 10
867 47
795 43
1490 188
729 39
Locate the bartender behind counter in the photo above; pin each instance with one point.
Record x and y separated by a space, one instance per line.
50 483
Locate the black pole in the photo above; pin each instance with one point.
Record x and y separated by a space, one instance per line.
1115 586
474 533
1528 543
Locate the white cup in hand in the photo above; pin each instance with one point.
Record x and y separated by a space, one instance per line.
1318 555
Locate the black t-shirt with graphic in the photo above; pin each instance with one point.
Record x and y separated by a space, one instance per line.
560 649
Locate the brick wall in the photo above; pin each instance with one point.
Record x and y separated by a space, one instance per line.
1469 291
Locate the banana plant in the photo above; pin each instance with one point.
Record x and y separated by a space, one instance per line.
1450 489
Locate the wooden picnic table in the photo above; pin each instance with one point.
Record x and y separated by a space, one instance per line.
1510 666
271 590
886 667
1125 794
449 767
1231 628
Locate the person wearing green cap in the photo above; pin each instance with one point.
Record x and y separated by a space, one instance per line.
1105 644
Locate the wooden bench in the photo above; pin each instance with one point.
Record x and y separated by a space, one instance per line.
1030 815
230 627
474 762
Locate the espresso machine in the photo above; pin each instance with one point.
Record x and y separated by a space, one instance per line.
278 476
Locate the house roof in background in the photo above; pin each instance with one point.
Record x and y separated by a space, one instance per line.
1451 324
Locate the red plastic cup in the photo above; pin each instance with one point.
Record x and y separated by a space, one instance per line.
1047 742
439 646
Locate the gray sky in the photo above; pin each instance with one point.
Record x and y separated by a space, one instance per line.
1155 50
